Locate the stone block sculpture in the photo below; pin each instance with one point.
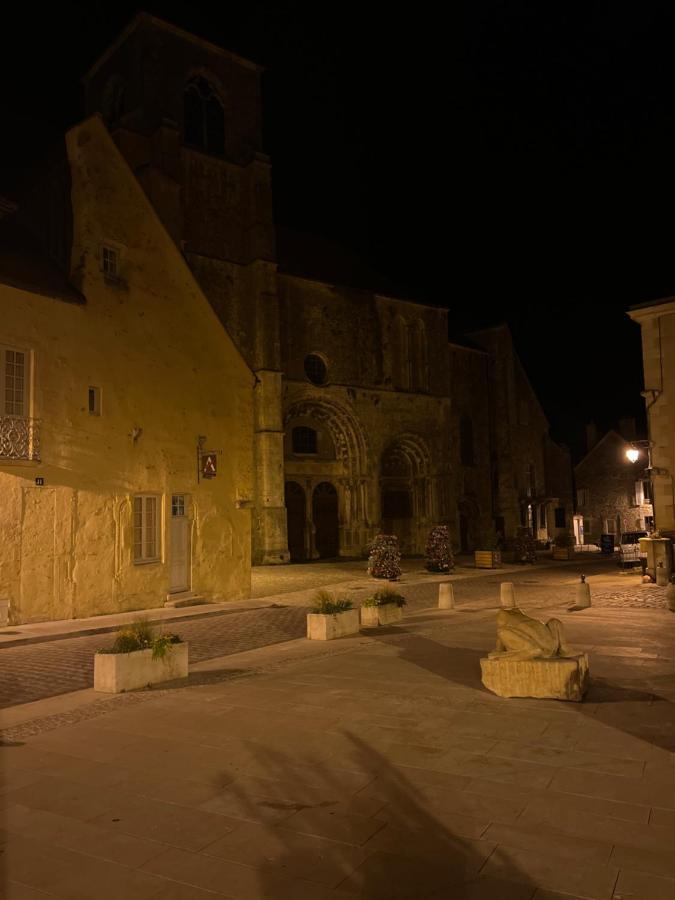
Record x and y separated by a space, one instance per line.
532 659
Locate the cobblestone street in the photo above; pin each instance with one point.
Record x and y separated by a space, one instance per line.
37 671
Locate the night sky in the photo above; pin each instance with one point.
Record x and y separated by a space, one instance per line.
514 163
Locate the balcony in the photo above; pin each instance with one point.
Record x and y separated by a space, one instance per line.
19 438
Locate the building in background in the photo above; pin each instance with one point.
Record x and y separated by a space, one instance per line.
657 321
613 494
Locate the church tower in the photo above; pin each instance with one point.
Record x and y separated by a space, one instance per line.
186 114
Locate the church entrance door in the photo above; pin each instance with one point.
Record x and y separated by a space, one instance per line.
325 516
295 517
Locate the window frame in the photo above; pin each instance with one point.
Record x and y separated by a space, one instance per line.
26 377
146 558
305 429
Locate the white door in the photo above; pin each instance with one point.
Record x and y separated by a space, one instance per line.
179 566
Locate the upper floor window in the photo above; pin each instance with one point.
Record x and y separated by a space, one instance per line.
110 261
204 119
582 496
304 440
466 444
19 433
14 382
419 362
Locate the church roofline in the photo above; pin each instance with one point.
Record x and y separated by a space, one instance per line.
143 17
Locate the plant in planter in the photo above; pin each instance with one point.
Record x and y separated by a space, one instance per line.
384 607
488 556
139 657
439 551
563 545
525 547
384 560
331 617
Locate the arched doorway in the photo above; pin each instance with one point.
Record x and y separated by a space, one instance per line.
408 501
295 517
325 517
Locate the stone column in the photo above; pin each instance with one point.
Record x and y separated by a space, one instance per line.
270 537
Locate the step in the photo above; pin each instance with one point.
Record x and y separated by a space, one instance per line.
178 601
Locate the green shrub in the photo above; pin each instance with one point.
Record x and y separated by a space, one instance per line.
140 635
325 604
384 597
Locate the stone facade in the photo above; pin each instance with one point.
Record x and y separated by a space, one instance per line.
362 417
657 321
118 377
612 493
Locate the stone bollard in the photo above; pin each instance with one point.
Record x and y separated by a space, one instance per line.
662 575
583 594
507 595
446 595
670 597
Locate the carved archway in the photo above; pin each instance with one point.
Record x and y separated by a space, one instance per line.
348 470
407 491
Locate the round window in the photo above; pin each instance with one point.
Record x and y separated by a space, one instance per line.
315 369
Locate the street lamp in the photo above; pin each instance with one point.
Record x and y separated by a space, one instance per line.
633 454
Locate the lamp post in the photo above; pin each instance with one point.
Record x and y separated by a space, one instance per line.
633 453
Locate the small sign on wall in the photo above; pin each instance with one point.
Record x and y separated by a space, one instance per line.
209 465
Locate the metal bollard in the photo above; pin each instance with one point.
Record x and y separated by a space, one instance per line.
507 595
446 595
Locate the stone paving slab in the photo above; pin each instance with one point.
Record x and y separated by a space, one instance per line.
373 767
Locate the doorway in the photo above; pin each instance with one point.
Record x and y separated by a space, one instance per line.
179 562
325 516
295 520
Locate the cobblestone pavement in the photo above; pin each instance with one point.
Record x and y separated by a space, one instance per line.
37 671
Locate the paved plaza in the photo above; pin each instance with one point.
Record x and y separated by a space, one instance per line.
374 767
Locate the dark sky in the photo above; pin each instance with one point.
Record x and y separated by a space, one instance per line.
514 163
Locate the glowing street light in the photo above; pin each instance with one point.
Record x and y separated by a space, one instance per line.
633 454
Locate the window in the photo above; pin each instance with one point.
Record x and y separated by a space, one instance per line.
610 526
110 262
94 401
146 528
14 382
304 440
466 448
542 516
204 119
315 369
582 497
559 513
400 354
419 365
178 506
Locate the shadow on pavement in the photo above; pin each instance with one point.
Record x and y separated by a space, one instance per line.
357 824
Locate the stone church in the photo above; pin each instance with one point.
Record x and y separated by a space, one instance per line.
365 418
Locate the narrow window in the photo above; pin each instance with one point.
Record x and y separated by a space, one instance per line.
94 401
559 513
110 262
203 118
14 386
304 440
146 529
315 369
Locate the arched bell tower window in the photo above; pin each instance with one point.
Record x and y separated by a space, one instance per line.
204 119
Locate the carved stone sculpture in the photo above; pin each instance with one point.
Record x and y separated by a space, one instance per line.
532 659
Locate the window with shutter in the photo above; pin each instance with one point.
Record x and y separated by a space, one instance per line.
146 528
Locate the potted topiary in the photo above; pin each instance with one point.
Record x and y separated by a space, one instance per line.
525 547
384 560
563 545
489 555
139 657
331 618
439 551
383 608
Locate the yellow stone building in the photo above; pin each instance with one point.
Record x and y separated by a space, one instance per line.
657 321
109 390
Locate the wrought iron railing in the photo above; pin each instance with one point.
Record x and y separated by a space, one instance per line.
19 438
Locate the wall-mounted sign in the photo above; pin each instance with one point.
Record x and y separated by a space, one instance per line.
209 465
39 481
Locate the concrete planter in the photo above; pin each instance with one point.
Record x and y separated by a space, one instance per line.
322 627
487 559
387 614
115 673
563 553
